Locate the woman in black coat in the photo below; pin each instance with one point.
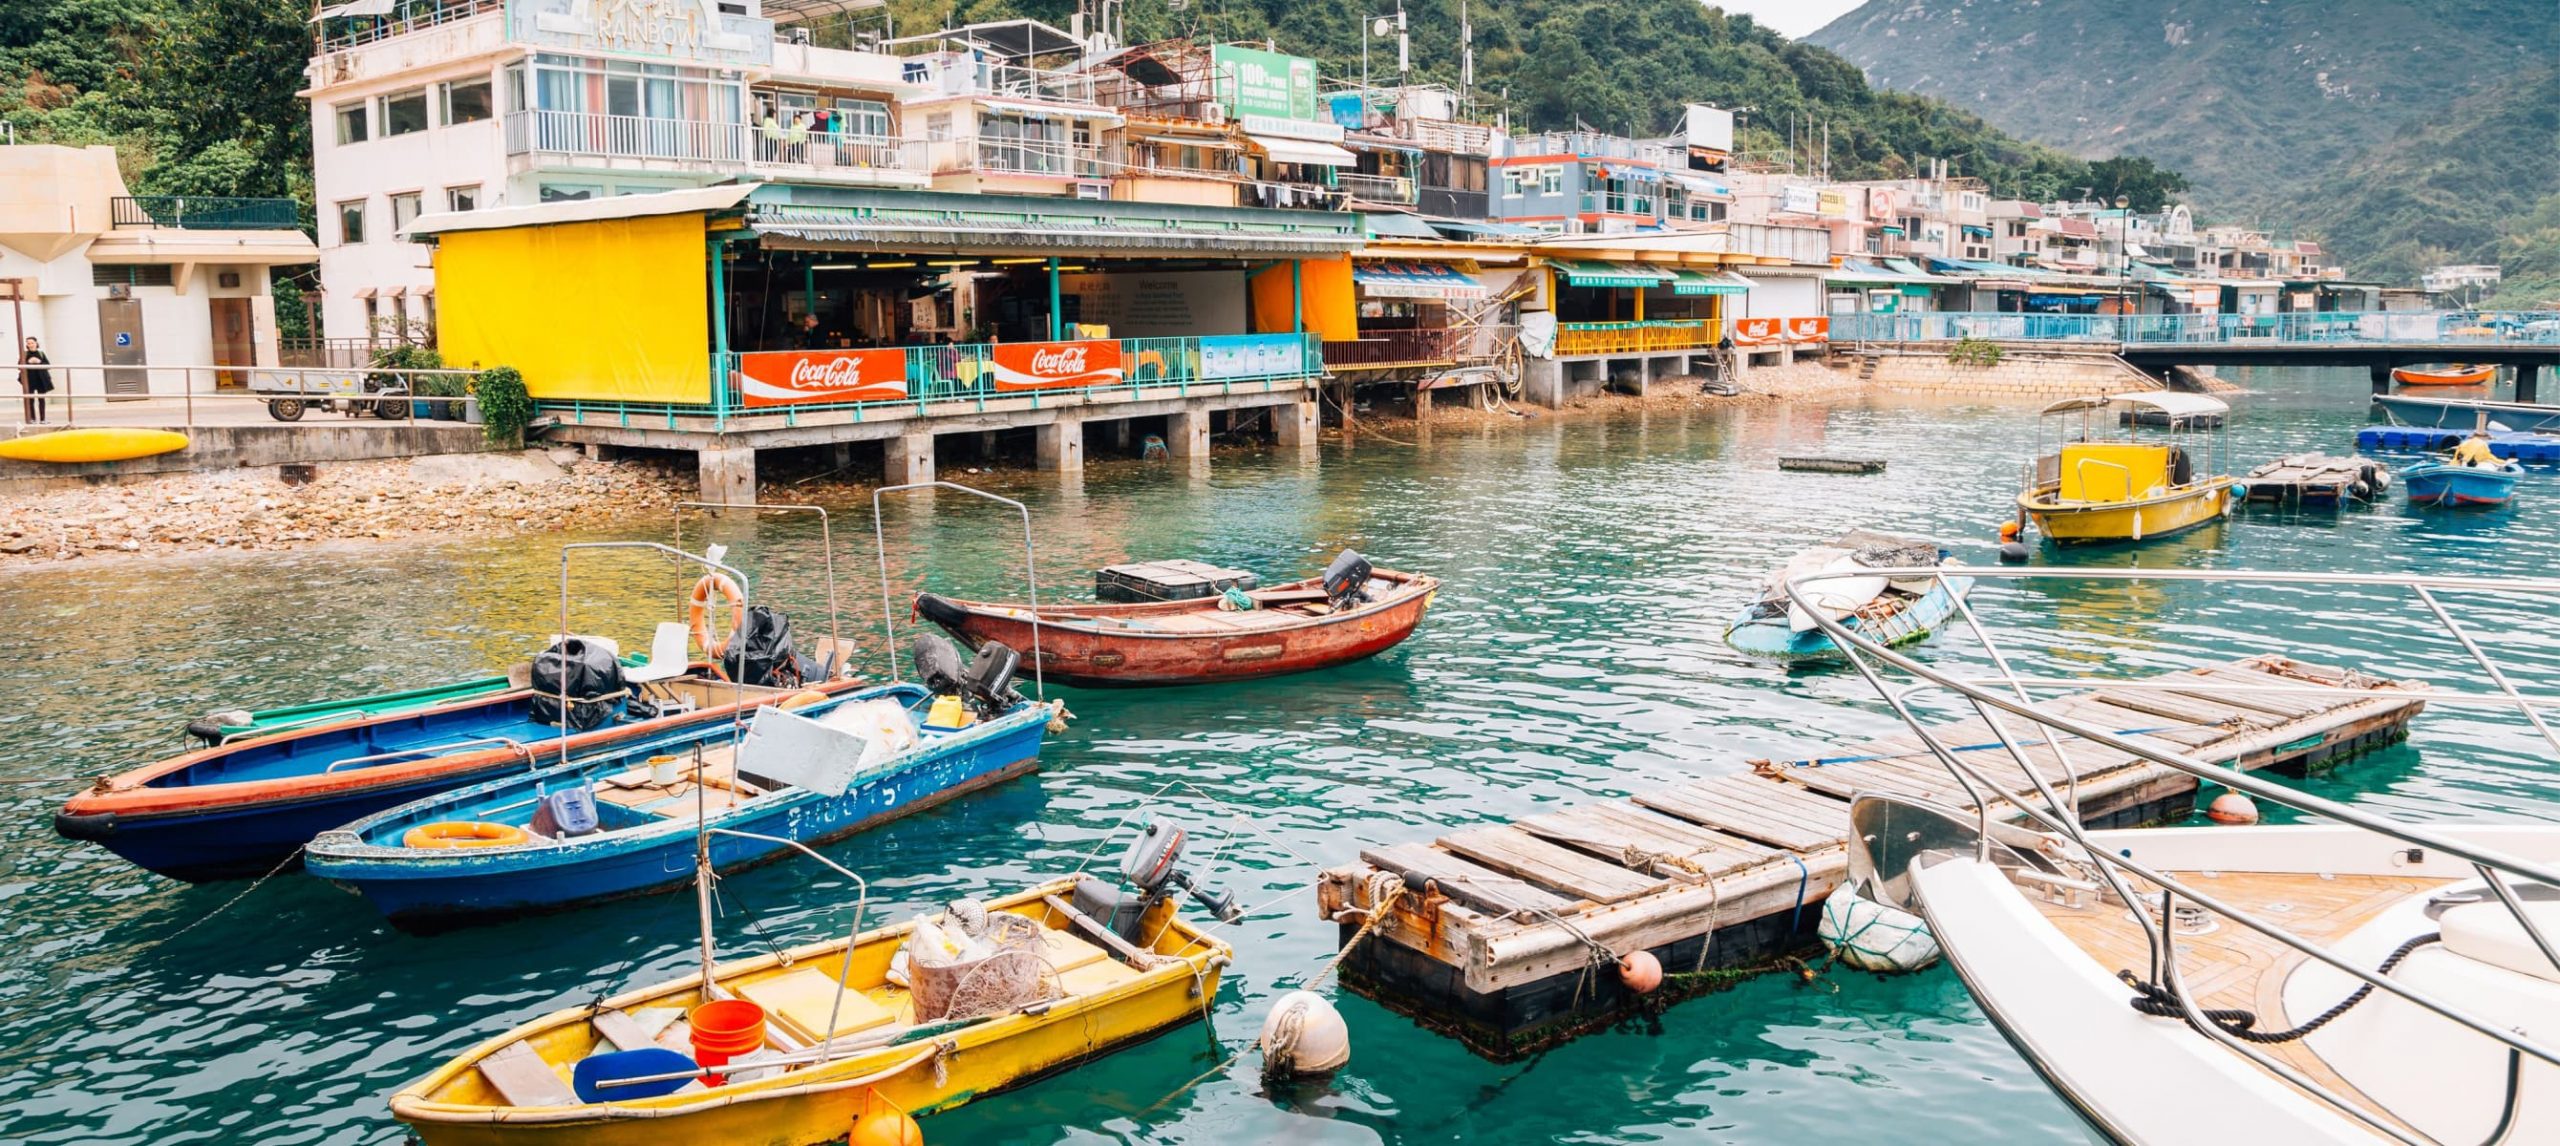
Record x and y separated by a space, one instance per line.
34 382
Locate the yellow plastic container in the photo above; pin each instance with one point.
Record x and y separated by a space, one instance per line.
948 712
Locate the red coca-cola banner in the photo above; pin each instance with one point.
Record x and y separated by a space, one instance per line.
1754 331
1817 329
785 377
1055 365
1775 331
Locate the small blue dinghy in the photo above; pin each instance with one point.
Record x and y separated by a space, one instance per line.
1892 611
2441 483
624 823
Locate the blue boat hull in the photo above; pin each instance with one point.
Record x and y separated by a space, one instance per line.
426 891
1770 637
2432 484
2463 413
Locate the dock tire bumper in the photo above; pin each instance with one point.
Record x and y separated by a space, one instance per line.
90 828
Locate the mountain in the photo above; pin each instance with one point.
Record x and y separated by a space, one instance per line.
2404 132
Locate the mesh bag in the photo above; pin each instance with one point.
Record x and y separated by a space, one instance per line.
1015 974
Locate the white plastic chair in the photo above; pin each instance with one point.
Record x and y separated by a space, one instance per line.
666 656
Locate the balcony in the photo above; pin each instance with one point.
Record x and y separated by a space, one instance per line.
1394 190
842 156
595 135
205 213
1452 203
1296 196
1050 157
1582 338
1380 349
342 32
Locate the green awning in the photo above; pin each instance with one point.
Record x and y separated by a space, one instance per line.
1914 290
1689 282
1594 273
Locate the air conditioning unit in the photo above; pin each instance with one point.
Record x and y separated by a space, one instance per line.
1213 113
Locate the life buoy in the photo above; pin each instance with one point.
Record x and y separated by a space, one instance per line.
463 834
697 612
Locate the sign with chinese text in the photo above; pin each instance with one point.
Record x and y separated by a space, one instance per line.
669 29
1253 356
1255 82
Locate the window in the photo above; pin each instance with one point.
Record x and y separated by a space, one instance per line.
404 211
462 198
1551 179
1515 183
467 101
404 112
937 127
352 123
129 274
351 222
565 192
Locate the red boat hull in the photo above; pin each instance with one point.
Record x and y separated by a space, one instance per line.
1093 645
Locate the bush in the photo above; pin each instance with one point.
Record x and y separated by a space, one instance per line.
505 408
1974 352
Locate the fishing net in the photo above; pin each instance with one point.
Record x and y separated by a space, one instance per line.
1014 972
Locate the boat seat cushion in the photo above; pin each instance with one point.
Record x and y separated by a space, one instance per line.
2488 933
798 1002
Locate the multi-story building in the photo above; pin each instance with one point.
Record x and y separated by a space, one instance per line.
2464 280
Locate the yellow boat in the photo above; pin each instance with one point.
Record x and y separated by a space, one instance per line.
101 444
1104 998
2109 480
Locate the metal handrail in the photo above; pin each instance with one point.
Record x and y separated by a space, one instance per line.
1865 655
826 549
1030 574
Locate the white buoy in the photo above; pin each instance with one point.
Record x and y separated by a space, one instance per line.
1304 1035
2232 808
1871 936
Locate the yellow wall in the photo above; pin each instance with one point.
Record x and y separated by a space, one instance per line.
612 310
1331 309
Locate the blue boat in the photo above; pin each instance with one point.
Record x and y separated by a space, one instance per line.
772 785
2440 483
2464 413
1889 611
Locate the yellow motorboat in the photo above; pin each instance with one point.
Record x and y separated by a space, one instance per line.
1097 990
2111 477
96 444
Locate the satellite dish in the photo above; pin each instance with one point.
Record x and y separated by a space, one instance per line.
1382 27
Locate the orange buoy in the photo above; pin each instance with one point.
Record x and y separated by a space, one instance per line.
881 1123
463 834
1640 971
2232 808
2009 530
803 698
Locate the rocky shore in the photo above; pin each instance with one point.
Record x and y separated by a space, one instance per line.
455 495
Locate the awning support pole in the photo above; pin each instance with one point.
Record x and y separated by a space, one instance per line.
719 322
1297 296
808 285
1639 304
1056 331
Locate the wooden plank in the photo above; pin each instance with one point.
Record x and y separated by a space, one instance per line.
1889 775
1717 807
1792 802
2235 681
1595 829
2176 706
1479 887
1505 848
518 1073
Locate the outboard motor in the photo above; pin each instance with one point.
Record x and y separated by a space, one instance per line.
760 652
937 665
989 687
1346 581
1151 866
590 676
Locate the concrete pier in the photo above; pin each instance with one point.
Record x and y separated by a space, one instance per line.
909 458
1059 446
728 475
1186 433
1297 424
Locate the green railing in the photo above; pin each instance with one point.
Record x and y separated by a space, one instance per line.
206 212
962 378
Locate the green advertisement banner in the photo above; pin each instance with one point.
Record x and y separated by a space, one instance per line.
1255 82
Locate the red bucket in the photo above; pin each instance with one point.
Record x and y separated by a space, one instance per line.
724 1029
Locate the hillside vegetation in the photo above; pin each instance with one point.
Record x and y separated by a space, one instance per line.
2404 132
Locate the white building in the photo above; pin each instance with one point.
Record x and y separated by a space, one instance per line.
460 105
106 278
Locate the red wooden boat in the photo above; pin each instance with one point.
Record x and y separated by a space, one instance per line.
1291 628
2449 376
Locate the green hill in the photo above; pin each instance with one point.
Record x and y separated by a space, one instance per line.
2404 132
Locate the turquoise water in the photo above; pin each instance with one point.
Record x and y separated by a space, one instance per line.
1574 654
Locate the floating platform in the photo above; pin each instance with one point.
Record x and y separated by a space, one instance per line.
1503 934
1819 464
2515 445
2316 480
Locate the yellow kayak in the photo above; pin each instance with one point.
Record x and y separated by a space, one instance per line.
103 444
518 1087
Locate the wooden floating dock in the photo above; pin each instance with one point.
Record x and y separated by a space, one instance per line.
1820 464
2314 479
1492 939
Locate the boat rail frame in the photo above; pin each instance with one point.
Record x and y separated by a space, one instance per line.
826 551
1030 574
2008 693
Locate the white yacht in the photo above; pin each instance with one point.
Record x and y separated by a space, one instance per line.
2351 978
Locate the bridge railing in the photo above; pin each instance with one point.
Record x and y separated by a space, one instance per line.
2336 327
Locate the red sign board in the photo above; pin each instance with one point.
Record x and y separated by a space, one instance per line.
1817 329
786 377
1774 331
1056 365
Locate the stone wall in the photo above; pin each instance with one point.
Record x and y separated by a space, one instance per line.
2021 374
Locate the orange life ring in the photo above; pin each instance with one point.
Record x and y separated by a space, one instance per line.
463 834
697 612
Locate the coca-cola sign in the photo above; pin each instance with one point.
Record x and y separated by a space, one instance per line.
788 377
1054 365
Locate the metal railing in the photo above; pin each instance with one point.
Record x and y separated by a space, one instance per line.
1038 157
1637 337
2005 697
1381 348
205 212
1296 196
1376 188
342 353
823 151
2456 328
189 397
406 16
960 378
625 136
